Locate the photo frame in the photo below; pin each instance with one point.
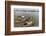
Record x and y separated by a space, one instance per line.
24 17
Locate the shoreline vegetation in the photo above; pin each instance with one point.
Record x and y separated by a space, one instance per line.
26 10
